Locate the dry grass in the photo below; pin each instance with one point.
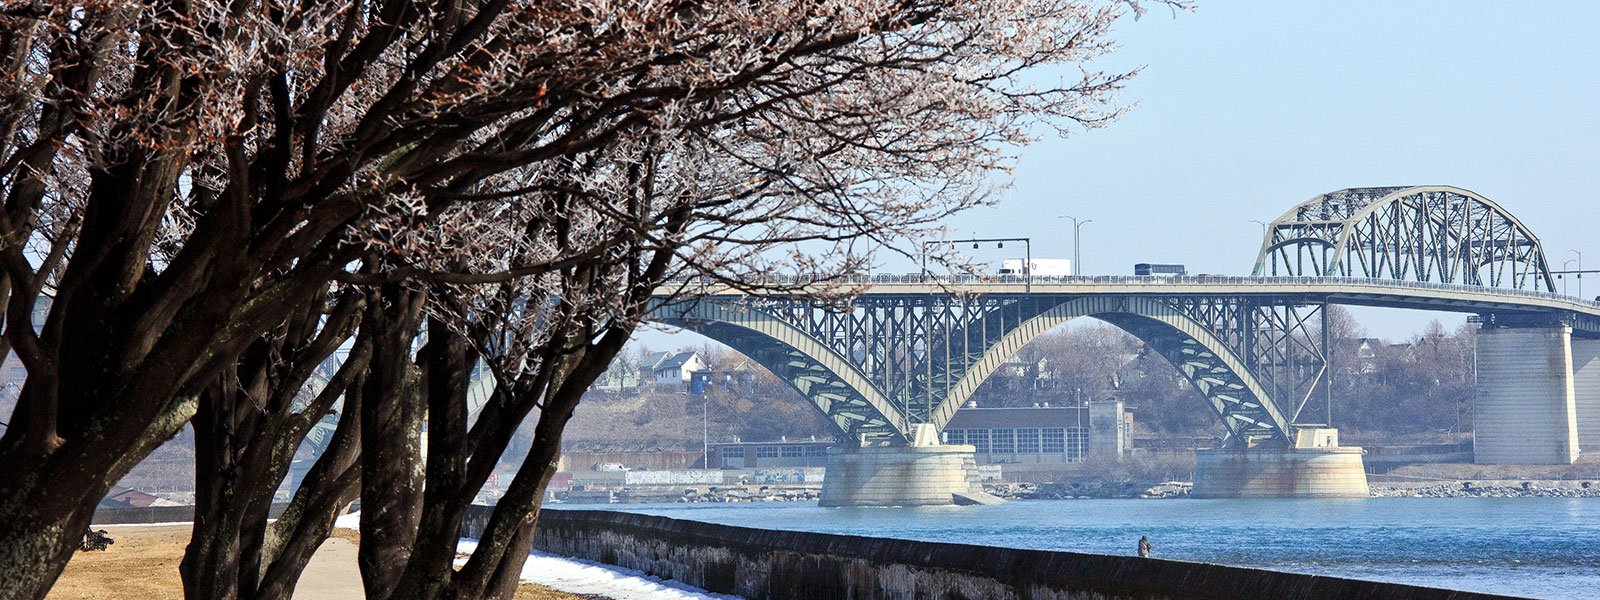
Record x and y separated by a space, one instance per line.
349 535
529 591
143 565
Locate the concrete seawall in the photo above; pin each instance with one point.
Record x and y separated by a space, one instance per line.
133 515
766 564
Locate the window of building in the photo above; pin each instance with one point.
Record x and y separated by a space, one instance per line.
1077 443
766 451
1053 440
1003 441
815 450
1027 441
733 456
979 438
793 451
955 436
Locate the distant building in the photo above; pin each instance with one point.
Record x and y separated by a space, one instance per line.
584 456
676 368
1096 432
1367 348
763 455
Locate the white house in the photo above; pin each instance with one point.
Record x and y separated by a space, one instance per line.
676 368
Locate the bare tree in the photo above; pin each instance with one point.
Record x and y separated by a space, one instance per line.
184 179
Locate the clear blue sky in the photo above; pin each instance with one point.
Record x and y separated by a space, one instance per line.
1247 108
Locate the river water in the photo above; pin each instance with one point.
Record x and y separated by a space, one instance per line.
1534 547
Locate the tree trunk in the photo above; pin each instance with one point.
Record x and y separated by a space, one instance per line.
246 435
210 566
449 362
496 565
391 428
328 487
37 541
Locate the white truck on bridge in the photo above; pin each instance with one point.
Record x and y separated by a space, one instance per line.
1039 267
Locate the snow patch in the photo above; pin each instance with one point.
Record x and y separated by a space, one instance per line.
350 521
580 576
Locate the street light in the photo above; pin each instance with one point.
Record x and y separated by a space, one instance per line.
1563 276
705 429
1263 227
1580 271
1077 268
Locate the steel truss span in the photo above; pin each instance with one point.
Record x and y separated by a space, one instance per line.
1438 234
890 362
911 349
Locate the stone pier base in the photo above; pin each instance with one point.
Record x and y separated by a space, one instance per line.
1280 473
903 476
1527 411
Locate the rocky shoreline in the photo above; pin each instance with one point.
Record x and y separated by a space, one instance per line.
1490 489
1090 490
1182 489
1084 490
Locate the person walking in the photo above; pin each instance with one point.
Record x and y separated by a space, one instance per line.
1145 547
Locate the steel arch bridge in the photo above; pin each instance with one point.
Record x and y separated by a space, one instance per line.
897 359
1419 233
909 351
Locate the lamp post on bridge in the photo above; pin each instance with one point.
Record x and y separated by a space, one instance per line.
1077 235
1563 278
1580 271
1263 225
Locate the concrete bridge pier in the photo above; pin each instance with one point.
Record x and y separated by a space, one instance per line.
924 473
1315 467
1528 409
1586 392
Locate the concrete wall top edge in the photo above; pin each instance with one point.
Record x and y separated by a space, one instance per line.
1112 576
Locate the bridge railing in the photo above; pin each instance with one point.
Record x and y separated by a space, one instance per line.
1157 282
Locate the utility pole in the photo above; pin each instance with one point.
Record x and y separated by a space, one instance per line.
1077 247
705 429
1263 225
1580 271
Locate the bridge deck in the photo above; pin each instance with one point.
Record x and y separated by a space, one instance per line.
1336 290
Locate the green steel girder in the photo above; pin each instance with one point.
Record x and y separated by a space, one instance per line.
1434 233
832 383
888 362
1244 405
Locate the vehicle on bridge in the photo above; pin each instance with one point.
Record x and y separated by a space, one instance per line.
1159 270
1038 267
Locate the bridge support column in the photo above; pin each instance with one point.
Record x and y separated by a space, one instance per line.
1586 392
1525 412
1318 469
923 474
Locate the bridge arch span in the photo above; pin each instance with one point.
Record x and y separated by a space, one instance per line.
1240 400
819 374
1433 233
